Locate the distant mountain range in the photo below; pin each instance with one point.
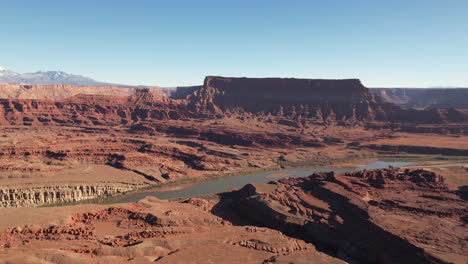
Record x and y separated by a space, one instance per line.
425 98
46 77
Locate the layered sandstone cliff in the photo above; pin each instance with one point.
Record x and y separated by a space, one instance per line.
301 100
320 100
292 102
24 196
144 104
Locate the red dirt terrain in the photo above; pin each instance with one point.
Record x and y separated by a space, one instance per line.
380 216
152 231
120 142
62 144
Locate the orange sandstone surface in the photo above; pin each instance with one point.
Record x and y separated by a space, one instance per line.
147 232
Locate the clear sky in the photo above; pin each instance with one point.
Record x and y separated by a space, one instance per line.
388 43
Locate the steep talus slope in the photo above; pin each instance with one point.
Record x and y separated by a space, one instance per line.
380 216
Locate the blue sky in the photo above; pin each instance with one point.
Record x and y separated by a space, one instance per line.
417 43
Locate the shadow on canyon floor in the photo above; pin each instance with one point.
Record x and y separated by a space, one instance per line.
463 192
358 240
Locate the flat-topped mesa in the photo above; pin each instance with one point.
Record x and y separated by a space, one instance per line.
307 98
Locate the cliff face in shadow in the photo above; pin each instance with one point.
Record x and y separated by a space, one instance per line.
380 216
291 98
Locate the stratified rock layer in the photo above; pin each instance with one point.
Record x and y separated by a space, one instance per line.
44 195
294 102
291 98
144 104
225 126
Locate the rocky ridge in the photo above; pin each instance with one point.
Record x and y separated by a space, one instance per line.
424 98
332 102
296 99
378 216
60 194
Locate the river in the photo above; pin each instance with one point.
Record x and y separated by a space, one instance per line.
224 184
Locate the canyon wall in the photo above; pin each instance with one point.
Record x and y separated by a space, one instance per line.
27 196
181 92
224 126
291 98
425 97
378 216
144 104
288 101
323 101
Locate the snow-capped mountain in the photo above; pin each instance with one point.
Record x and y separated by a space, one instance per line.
45 77
4 72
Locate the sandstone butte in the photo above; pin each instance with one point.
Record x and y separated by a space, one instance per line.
61 143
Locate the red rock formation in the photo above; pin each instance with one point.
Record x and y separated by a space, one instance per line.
380 216
379 177
145 104
430 116
291 102
153 231
320 100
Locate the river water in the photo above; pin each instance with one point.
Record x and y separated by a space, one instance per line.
224 184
